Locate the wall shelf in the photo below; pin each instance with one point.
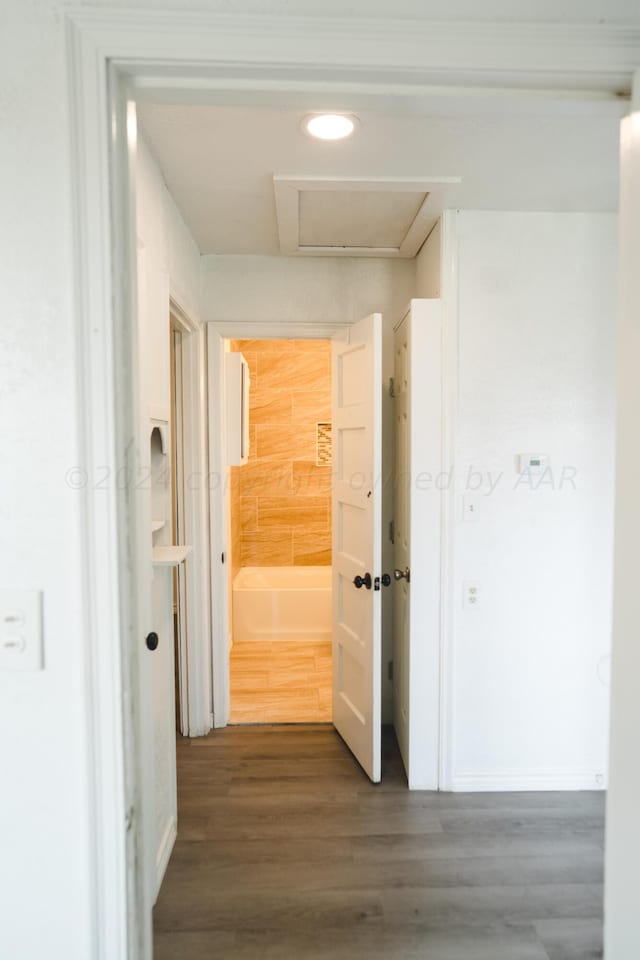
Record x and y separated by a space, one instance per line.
156 525
169 556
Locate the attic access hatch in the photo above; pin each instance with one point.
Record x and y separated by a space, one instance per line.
352 217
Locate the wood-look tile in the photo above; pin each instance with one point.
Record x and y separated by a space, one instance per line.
198 945
303 859
297 674
312 550
293 698
270 346
313 406
254 653
248 514
285 442
311 371
266 478
270 407
571 939
248 679
243 711
311 480
304 648
290 685
302 513
273 549
321 347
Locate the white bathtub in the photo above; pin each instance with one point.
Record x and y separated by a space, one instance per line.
282 603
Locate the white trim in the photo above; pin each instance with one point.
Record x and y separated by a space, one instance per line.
294 330
514 781
164 851
288 191
218 492
449 296
560 56
217 487
196 516
111 671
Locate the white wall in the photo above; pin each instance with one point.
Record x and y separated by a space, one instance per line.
168 262
536 316
45 884
166 239
429 265
321 290
622 930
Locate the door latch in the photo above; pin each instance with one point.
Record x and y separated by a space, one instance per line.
384 580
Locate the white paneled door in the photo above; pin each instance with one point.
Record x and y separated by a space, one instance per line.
357 530
420 484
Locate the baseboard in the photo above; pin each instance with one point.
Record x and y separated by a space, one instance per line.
166 847
536 780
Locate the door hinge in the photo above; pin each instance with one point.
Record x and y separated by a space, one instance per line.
222 558
390 670
392 387
392 531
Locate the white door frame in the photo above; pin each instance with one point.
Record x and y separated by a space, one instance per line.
197 655
217 333
112 56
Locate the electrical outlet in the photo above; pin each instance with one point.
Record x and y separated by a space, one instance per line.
471 593
470 507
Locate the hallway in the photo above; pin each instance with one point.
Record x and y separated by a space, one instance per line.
285 850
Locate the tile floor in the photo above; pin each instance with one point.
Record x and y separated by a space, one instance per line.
281 682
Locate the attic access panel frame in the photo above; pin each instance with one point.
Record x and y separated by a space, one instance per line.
288 191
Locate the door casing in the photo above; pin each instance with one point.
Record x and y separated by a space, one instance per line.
113 56
217 333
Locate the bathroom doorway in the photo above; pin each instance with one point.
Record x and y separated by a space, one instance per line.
279 537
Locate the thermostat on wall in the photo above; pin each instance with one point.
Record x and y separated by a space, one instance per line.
532 463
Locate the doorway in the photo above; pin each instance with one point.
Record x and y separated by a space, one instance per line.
279 521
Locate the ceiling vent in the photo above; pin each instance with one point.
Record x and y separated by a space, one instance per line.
356 217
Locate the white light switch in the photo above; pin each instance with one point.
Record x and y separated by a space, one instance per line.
20 630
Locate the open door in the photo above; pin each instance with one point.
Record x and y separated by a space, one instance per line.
357 529
419 486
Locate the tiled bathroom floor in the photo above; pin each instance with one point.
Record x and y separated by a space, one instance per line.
281 682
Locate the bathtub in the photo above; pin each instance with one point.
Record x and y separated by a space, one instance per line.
282 603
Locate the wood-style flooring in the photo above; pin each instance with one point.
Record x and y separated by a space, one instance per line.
280 682
285 851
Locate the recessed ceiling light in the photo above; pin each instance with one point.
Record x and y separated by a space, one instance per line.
330 126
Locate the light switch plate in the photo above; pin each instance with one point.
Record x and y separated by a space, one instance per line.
21 630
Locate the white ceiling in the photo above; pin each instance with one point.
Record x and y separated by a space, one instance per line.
219 161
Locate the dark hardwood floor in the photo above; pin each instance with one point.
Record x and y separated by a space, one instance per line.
286 851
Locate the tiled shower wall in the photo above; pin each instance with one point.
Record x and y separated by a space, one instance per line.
281 500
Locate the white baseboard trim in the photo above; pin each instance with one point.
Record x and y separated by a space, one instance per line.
166 847
537 780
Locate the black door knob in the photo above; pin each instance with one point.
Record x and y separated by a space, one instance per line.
152 640
386 579
363 581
